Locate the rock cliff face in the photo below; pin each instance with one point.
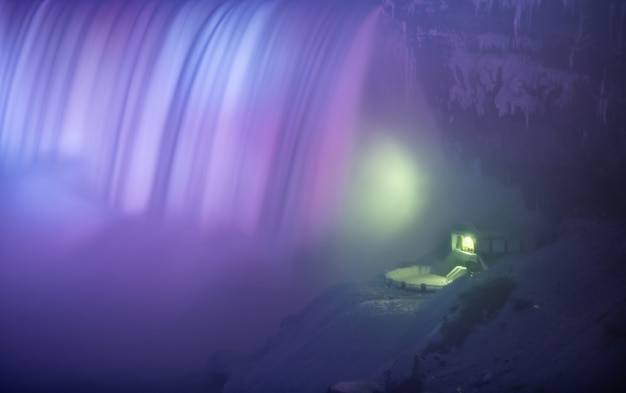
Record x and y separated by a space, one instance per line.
531 91
549 320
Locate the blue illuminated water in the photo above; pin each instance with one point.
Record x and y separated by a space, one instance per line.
236 114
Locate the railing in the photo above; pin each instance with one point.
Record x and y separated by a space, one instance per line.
455 273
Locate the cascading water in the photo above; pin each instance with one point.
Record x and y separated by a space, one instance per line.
234 117
235 114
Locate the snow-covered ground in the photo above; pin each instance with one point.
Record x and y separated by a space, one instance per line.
552 320
86 295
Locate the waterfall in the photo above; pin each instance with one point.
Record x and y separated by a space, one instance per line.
220 113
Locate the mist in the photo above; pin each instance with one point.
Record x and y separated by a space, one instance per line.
172 191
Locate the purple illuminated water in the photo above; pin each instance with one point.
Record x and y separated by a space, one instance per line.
232 122
235 114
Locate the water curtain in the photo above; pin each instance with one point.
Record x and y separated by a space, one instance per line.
224 113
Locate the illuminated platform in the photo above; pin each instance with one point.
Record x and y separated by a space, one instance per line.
417 278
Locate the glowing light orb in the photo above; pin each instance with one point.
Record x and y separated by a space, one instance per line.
386 191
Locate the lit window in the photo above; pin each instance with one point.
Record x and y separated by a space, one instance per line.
467 244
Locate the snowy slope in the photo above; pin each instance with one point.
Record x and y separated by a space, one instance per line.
553 320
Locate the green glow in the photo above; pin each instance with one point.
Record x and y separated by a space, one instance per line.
386 191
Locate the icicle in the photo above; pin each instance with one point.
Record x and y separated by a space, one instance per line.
621 25
521 6
623 141
577 41
516 22
583 138
411 7
603 101
611 14
390 4
409 60
536 200
476 6
527 118
530 14
409 73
